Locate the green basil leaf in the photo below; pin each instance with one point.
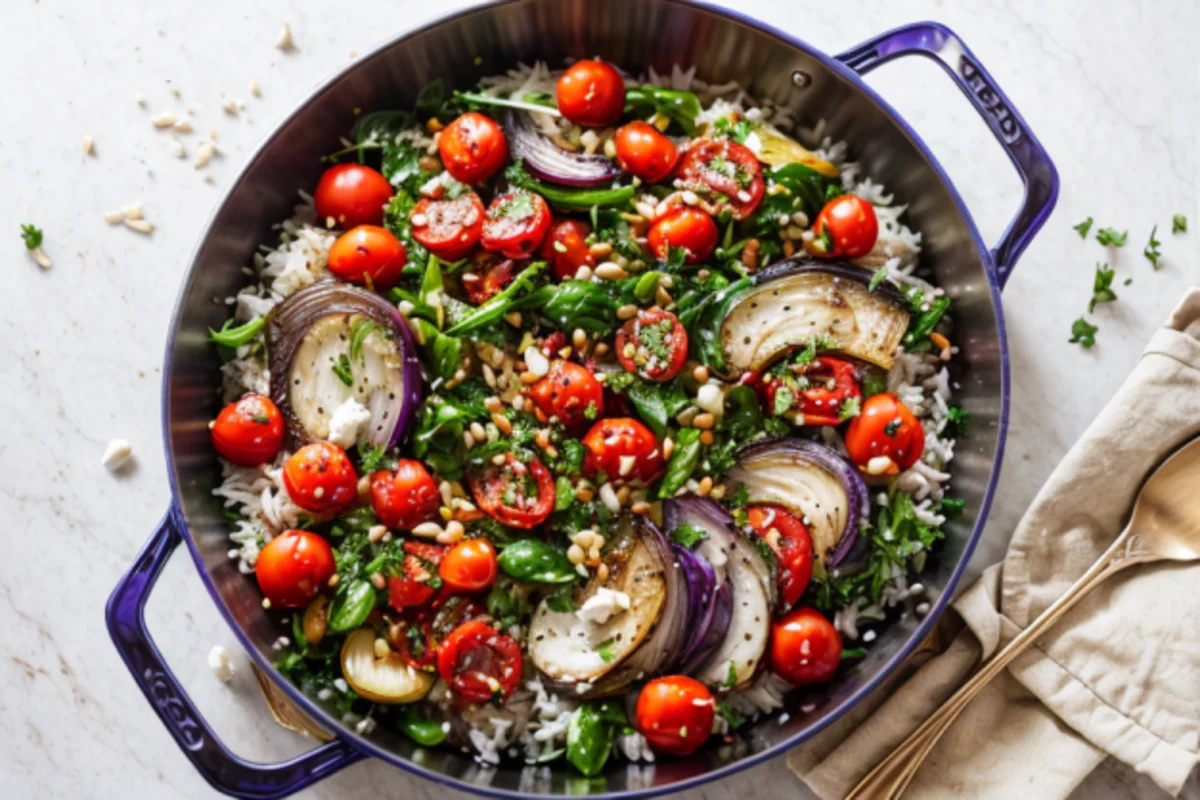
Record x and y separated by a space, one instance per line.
535 561
351 606
683 462
656 404
589 740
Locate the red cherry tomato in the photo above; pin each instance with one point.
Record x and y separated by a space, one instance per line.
514 494
829 383
846 228
570 393
293 567
789 539
805 647
556 341
320 478
406 497
516 223
473 147
623 449
248 431
885 427
448 228
591 93
566 249
686 227
470 566
479 663
368 252
411 587
644 152
353 195
726 170
653 344
488 275
675 714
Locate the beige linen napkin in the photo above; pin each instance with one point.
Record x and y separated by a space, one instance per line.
1119 675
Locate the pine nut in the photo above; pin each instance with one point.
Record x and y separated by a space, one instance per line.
579 339
704 421
602 571
377 580
478 432
706 485
668 447
376 533
717 492
600 349
707 438
493 404
700 373
502 422
584 495
623 495
627 312
609 271
575 554
499 459
427 530
600 249
333 581
640 507
939 341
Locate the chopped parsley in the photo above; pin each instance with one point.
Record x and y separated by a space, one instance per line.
958 416
230 336
738 131
653 338
688 535
733 719
854 652
342 369
783 401
1102 287
518 207
1151 250
731 677
372 458
851 408
826 240
1179 224
1084 227
591 412
32 236
607 651
1083 333
1109 236
953 506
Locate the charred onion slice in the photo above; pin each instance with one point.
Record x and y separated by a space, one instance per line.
310 336
800 300
546 160
814 482
381 680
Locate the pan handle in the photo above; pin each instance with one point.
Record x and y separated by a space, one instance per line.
226 772
936 41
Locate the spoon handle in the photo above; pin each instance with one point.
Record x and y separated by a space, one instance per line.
892 775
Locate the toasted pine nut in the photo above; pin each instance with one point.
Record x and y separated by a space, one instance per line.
609 271
939 341
377 580
627 312
700 373
493 404
376 533
600 349
584 495
750 254
623 495
706 485
668 447
579 339
640 507
502 422
602 571
333 581
600 249
427 530
704 421
717 492
707 438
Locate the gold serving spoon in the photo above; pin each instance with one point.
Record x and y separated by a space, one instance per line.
1164 526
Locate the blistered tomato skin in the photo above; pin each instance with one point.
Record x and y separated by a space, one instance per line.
320 478
687 228
644 152
352 195
473 147
405 497
805 648
479 663
790 541
248 431
293 567
368 254
514 493
591 93
675 714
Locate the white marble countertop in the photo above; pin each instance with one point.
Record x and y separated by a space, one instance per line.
1110 90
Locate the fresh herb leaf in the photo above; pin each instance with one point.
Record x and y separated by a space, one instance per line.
562 599
1109 236
953 506
425 732
854 652
957 416
680 106
731 677
926 316
431 100
372 458
738 131
657 403
233 337
1083 333
688 535
536 561
475 100
733 719
499 305
874 383
32 236
876 279
589 739
1151 250
342 369
1102 287
358 334
851 408
683 462
607 650
1179 224
783 401
1084 227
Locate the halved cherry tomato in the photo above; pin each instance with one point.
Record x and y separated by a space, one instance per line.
293 567
885 429
591 93
686 227
411 587
249 431
320 478
566 249
448 228
569 392
623 449
488 275
353 195
469 566
846 228
789 539
405 497
644 152
653 344
368 253
811 392
805 648
516 223
514 494
675 714
726 169
473 147
479 663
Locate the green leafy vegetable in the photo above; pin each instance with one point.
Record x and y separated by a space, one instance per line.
536 561
1102 287
358 334
1083 333
372 458
657 403
499 305
1084 227
1151 250
733 719
924 320
681 106
425 732
687 535
958 416
342 369
607 650
32 236
230 336
589 305
731 677
351 605
589 739
682 463
569 199
1109 236
953 506
1179 224
475 100
850 409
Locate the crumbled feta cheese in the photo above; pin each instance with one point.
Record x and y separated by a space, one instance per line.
602 605
710 398
537 363
118 452
347 423
341 685
221 663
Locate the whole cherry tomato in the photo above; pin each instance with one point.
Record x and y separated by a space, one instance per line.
885 429
686 227
479 663
805 647
591 93
469 566
623 449
473 147
644 152
516 223
320 478
411 587
448 228
405 497
846 228
488 275
726 171
515 494
789 539
675 714
368 253
653 344
810 391
566 249
352 195
249 431
569 392
293 567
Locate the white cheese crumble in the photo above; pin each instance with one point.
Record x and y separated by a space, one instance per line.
118 452
602 605
221 663
711 399
347 423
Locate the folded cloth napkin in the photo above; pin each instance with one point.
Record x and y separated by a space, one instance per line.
1118 676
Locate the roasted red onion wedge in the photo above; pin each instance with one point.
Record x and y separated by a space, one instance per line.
331 344
816 483
546 160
